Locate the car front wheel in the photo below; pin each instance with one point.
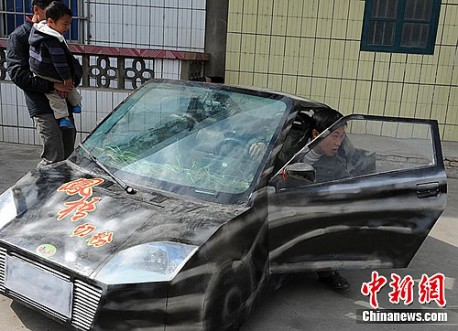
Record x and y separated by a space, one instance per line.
227 295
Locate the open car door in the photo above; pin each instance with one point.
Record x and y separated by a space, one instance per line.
378 216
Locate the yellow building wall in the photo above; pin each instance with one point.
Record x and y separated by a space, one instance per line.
311 48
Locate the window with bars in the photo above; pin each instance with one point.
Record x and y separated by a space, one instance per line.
400 26
13 12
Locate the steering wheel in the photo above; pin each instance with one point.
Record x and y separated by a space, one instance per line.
192 121
231 146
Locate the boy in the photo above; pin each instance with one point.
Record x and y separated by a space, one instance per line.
51 59
58 143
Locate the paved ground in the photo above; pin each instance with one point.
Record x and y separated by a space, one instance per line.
303 303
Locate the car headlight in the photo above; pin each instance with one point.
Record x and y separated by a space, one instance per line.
151 262
8 210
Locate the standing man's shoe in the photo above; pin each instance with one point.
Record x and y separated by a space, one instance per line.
334 281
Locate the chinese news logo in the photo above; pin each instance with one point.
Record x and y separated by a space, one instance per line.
430 288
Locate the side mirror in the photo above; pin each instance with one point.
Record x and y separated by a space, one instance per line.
302 171
294 175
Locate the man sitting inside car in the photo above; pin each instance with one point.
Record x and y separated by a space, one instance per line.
324 158
328 165
333 158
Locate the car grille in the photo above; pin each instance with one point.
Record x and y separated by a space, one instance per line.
2 268
85 302
85 297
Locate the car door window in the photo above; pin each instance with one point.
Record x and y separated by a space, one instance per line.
396 145
359 147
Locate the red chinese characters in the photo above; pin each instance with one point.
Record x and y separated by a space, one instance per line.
373 287
82 186
430 289
83 230
80 209
100 239
402 289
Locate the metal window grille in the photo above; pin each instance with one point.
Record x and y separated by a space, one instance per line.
403 26
13 12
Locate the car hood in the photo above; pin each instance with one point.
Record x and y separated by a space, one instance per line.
80 219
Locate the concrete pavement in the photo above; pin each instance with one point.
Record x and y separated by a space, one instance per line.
15 161
450 151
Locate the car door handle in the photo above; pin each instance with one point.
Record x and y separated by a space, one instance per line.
426 190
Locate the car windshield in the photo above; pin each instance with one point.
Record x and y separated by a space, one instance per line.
189 137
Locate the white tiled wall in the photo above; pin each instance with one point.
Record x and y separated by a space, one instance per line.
16 125
169 69
153 24
171 24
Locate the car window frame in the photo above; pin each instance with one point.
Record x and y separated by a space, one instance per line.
260 176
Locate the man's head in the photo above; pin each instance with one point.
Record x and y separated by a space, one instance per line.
38 9
59 16
321 120
41 3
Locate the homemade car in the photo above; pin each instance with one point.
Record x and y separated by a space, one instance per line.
184 203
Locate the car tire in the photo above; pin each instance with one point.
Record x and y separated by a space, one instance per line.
226 300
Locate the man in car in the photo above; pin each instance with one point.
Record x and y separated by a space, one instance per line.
332 159
325 159
335 157
328 165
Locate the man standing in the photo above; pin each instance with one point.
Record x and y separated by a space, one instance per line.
58 143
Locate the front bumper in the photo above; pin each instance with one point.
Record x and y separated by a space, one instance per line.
92 306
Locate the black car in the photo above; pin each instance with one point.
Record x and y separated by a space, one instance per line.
184 205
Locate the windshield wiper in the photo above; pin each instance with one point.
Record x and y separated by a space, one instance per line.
126 187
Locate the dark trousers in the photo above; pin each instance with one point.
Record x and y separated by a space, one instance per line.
57 143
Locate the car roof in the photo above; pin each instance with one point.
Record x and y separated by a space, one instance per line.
303 101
